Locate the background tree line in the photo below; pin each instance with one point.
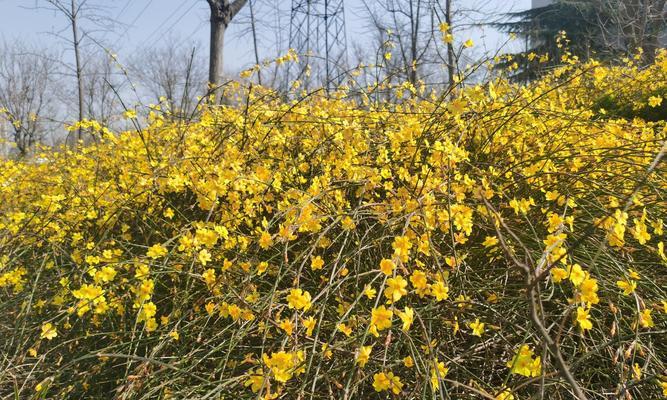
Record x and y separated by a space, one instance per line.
414 41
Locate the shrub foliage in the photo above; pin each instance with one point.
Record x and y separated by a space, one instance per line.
497 242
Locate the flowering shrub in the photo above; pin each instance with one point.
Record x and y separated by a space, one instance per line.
499 243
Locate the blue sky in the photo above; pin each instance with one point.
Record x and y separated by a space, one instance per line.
142 22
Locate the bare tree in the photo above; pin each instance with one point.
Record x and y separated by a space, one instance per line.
72 10
412 34
628 25
450 46
253 30
25 93
75 13
101 88
427 39
222 13
173 72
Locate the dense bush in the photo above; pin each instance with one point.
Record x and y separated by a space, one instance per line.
499 243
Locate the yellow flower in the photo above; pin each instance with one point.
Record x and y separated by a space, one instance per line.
347 330
522 205
468 43
256 380
381 318
204 256
148 311
438 372
636 372
558 274
156 251
408 362
554 221
387 267
418 279
265 240
419 282
661 251
348 223
89 292
477 327
287 325
316 263
285 365
505 394
645 319
285 233
299 299
663 385
169 213
395 289
48 331
439 291
640 231
326 351
577 275
490 241
309 324
246 73
599 74
654 101
262 267
407 317
628 286
584 319
363 355
130 114
589 288
151 325
209 277
369 292
388 381
524 364
402 246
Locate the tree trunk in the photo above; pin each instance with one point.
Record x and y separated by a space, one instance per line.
414 42
450 47
215 77
253 26
77 57
222 13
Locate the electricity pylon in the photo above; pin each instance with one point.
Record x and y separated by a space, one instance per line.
317 33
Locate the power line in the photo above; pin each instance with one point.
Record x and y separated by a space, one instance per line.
194 32
122 10
150 36
136 19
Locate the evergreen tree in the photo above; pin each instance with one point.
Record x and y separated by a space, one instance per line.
541 27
